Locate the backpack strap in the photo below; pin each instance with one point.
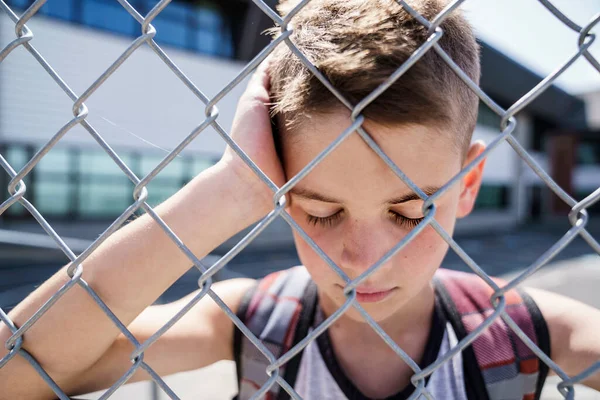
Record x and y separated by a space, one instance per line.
279 311
507 368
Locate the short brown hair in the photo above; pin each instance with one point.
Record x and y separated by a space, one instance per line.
358 44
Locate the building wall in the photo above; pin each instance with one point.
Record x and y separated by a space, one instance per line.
142 105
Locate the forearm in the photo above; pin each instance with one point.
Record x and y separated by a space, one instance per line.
131 269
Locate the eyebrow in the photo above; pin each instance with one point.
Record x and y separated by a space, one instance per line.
311 195
428 190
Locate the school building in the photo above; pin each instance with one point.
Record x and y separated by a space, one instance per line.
143 110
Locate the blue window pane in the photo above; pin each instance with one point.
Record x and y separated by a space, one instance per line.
21 4
208 36
56 161
108 14
104 199
176 11
99 163
16 210
17 157
170 31
208 19
53 196
207 42
144 6
227 45
174 170
59 8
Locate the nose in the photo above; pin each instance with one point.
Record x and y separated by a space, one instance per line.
363 245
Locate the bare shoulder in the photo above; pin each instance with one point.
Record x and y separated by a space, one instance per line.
573 327
209 313
232 291
204 334
562 313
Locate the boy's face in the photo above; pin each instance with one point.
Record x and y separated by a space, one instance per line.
356 209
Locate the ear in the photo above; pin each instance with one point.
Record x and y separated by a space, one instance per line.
471 182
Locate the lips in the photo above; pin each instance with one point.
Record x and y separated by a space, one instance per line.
370 290
372 295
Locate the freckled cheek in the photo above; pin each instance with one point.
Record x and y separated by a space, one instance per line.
422 256
316 266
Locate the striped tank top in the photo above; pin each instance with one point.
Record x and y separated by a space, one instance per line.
283 308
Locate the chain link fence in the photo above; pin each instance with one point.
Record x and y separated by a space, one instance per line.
578 216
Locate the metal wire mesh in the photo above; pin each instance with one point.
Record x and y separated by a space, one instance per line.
578 216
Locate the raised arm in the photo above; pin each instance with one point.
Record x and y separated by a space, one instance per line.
134 266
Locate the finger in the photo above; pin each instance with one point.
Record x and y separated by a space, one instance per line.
262 71
260 82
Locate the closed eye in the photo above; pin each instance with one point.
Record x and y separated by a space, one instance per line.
325 221
333 219
404 221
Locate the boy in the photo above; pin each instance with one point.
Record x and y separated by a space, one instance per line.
352 205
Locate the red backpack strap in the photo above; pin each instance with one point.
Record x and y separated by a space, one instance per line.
507 368
279 311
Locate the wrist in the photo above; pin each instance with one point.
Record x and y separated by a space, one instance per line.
251 195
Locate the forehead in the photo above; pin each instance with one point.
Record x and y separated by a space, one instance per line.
423 153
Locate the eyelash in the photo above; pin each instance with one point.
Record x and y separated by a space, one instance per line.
330 221
326 222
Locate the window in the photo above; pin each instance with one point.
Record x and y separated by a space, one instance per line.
492 197
175 169
53 187
110 15
56 161
64 9
588 152
104 189
20 4
171 32
208 33
104 198
198 27
88 184
17 156
195 27
53 196
98 162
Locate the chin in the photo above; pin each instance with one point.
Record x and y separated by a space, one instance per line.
378 311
